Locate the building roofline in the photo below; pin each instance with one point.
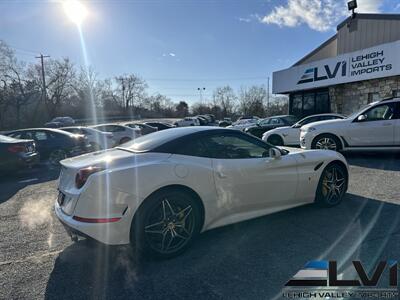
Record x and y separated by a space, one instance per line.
369 17
315 50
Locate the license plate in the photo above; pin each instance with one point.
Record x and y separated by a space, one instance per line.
60 198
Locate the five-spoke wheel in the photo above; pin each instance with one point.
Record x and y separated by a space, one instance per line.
332 185
167 223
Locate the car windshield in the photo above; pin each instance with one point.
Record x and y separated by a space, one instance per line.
355 114
290 119
6 139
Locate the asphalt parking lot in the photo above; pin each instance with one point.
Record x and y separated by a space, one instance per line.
249 260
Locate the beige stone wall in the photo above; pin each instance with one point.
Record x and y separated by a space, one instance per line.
348 98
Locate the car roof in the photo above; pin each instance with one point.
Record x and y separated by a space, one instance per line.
106 124
158 138
56 130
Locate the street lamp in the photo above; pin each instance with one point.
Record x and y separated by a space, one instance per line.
352 5
201 93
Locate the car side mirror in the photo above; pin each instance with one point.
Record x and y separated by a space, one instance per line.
361 118
275 153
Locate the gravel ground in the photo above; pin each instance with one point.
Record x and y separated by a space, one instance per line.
249 260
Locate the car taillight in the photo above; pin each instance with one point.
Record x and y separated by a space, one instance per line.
83 175
16 148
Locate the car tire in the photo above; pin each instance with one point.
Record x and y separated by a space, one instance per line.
326 142
56 156
332 185
124 140
166 224
275 140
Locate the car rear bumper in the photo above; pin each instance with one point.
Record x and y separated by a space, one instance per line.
106 233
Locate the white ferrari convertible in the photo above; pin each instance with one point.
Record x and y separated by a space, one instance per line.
161 190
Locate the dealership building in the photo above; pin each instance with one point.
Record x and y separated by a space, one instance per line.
358 65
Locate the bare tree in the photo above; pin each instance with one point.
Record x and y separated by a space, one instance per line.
60 75
16 90
131 89
252 100
226 99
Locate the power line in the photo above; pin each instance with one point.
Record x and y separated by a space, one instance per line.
206 79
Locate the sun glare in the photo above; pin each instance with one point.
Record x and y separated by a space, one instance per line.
75 11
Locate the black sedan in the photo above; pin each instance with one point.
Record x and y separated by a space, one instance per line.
17 154
264 125
54 144
160 125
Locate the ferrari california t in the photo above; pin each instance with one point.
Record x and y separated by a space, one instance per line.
161 190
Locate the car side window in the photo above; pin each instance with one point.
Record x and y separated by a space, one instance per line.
235 147
276 121
112 128
40 136
379 113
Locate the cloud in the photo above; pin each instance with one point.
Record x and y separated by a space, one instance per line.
171 54
250 18
245 20
319 15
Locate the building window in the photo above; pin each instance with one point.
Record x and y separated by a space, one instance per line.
309 103
372 97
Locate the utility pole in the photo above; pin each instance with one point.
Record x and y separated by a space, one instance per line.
267 93
42 57
44 93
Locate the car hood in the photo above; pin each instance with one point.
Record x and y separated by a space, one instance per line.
280 129
325 124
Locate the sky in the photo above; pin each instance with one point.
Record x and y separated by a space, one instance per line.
178 46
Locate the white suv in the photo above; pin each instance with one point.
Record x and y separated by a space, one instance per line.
290 135
374 127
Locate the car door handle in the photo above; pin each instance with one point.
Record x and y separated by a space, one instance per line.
386 124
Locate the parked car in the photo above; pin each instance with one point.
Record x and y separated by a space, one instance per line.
206 177
242 124
247 118
144 128
121 134
160 125
212 117
60 122
203 120
188 121
374 127
97 139
290 135
224 123
54 144
17 154
264 125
